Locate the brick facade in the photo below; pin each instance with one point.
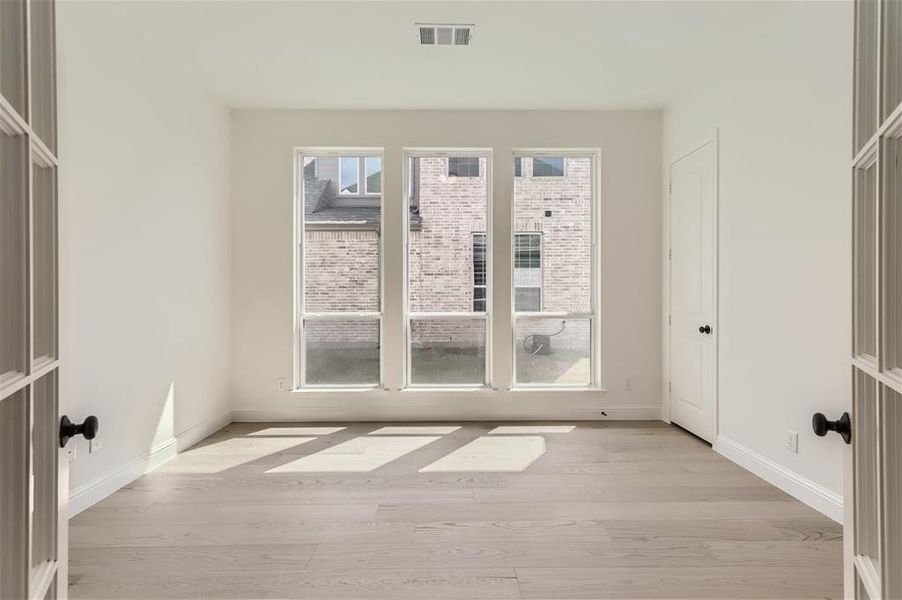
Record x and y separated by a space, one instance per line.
342 265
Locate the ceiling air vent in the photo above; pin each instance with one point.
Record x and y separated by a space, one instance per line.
432 34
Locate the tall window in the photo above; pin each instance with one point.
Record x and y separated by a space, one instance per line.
448 268
339 304
555 325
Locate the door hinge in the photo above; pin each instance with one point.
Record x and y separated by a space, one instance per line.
670 254
670 187
670 319
669 386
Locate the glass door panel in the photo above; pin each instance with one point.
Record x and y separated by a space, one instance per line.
865 257
45 443
14 258
43 71
14 429
12 55
867 470
866 71
44 246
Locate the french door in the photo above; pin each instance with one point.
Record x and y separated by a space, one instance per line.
33 478
874 468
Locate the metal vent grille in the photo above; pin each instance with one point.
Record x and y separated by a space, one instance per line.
444 35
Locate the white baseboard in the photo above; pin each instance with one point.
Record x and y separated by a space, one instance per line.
814 495
448 412
92 492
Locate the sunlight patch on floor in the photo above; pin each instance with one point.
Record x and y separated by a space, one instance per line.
230 453
286 431
359 455
526 429
416 430
489 454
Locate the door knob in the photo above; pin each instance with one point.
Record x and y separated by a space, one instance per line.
68 429
842 426
705 329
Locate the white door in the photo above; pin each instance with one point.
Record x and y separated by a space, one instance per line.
693 331
873 465
33 470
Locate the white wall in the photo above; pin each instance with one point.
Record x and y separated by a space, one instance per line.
144 186
779 91
262 279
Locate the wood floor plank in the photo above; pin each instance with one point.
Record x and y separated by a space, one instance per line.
379 583
698 583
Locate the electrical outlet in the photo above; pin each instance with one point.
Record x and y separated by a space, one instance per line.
282 384
95 445
792 441
629 384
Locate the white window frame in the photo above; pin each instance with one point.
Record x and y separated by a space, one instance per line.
593 315
300 315
409 315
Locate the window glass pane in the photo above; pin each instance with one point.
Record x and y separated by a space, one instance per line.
46 450
892 419
341 243
349 174
558 251
527 299
547 167
342 351
518 167
892 248
447 351
373 175
14 430
45 268
12 53
43 71
14 255
444 214
464 166
553 351
866 68
892 56
864 250
867 434
479 273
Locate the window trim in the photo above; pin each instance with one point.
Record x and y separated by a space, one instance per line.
299 313
595 288
409 315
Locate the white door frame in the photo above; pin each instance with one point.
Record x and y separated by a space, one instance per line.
710 138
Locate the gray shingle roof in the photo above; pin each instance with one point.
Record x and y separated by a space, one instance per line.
323 209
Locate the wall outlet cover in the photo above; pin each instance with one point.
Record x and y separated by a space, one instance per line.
792 441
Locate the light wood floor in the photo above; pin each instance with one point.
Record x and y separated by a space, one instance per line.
605 510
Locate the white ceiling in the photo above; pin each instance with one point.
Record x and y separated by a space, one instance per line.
294 54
